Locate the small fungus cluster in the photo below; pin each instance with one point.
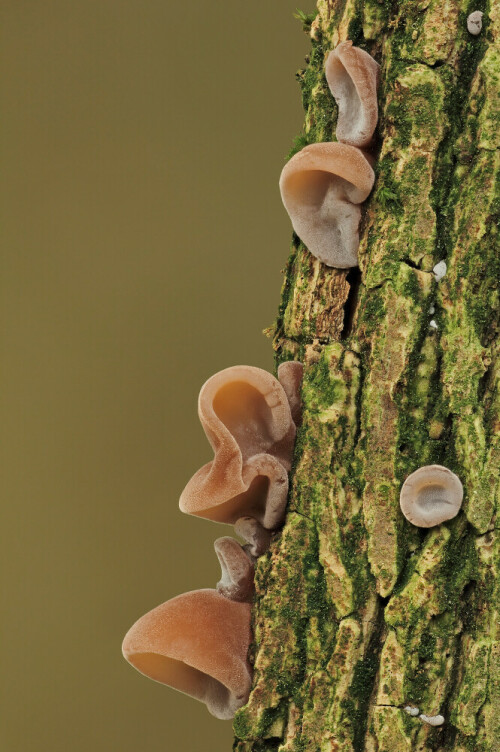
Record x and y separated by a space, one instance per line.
432 720
198 642
323 185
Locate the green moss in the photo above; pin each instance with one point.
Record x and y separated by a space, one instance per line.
268 718
443 196
356 705
427 647
355 28
298 144
459 565
387 189
322 389
306 19
241 724
355 560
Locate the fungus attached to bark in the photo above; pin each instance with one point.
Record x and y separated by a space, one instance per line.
431 495
321 187
237 568
475 22
439 270
352 75
245 414
432 720
257 538
196 643
412 710
290 375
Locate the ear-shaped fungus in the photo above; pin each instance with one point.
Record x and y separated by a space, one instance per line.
246 417
237 568
352 75
196 643
321 187
290 376
431 495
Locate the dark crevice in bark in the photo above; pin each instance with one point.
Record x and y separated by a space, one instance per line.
300 514
364 680
354 280
358 399
411 263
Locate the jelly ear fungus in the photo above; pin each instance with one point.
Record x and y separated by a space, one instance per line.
246 416
196 643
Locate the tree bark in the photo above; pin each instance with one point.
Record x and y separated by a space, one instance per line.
358 613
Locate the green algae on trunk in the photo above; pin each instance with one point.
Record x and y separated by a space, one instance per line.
358 613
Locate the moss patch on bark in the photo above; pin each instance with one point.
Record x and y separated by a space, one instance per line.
358 613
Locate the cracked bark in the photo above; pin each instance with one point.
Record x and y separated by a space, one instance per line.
359 614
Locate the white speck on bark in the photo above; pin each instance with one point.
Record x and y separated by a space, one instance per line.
475 22
439 270
412 711
432 720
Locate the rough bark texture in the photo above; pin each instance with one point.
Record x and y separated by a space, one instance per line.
358 613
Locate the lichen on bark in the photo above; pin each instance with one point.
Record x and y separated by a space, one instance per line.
358 613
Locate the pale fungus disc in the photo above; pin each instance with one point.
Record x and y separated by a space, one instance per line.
431 495
475 22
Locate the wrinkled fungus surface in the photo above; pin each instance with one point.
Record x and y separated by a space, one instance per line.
352 75
431 495
245 414
322 187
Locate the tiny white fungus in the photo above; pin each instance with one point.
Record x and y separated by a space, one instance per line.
432 310
433 324
432 720
475 22
439 270
412 711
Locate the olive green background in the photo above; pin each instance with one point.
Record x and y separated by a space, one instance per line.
143 237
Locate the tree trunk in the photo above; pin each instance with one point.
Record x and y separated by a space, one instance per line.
358 613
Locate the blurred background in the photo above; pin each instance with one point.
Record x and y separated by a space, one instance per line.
143 238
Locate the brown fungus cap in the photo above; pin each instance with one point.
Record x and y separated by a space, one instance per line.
196 643
245 414
352 75
321 187
431 495
237 568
